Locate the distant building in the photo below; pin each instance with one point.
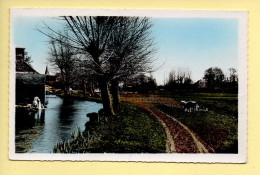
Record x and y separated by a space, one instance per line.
50 79
201 84
47 71
29 83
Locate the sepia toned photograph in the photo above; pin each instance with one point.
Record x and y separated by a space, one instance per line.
128 85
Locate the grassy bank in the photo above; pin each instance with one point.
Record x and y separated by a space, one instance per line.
218 126
131 130
24 138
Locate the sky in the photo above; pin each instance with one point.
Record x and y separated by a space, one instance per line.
195 44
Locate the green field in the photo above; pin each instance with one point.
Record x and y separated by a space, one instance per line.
218 126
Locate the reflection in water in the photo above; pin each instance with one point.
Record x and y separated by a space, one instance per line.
39 117
66 111
60 119
27 126
25 119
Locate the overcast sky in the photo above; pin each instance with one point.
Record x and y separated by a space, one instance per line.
188 43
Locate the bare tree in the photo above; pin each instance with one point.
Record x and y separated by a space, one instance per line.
62 56
181 74
116 48
90 36
85 77
130 52
232 74
179 80
172 77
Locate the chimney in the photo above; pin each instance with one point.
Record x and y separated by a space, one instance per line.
19 54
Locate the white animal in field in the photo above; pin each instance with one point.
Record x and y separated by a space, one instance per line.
189 106
183 103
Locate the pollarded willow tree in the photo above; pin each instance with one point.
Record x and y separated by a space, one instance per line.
131 48
90 36
115 47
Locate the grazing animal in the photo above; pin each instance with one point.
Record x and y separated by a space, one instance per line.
183 104
191 106
194 106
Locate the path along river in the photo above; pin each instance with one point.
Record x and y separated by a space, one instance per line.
61 118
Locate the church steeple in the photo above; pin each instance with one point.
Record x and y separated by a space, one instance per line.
47 70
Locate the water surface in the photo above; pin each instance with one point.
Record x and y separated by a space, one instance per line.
62 117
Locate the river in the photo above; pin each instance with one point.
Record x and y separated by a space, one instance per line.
59 120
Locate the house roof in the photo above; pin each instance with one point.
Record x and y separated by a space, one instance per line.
22 66
30 79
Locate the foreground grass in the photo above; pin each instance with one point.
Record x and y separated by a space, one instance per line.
132 130
218 126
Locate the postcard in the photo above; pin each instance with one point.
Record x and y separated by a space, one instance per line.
128 85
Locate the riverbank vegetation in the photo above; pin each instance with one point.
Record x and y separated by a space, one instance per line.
24 138
131 130
82 97
218 126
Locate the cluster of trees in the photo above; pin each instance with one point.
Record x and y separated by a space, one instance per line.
179 80
214 80
140 83
102 51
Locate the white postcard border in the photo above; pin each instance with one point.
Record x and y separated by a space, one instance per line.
241 157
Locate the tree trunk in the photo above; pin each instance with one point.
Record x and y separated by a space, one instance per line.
103 86
107 105
67 90
92 88
115 94
84 88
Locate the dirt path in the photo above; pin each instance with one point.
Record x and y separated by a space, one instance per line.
179 138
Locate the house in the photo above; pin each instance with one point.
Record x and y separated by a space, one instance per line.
29 83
